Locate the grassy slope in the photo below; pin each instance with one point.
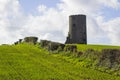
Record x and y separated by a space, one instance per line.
27 62
96 47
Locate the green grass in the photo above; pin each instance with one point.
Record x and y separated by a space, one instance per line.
84 47
28 62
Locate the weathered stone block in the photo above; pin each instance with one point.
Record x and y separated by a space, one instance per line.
20 41
110 57
55 46
16 42
44 43
31 40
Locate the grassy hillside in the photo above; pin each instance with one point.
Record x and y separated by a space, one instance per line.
28 62
96 47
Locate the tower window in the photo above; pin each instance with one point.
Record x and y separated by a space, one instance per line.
84 40
74 25
84 33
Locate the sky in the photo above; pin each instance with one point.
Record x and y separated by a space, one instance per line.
48 19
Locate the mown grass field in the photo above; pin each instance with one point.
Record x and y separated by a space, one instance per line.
28 62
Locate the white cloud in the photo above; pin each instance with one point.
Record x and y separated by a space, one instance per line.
42 8
52 23
112 30
111 3
56 20
10 20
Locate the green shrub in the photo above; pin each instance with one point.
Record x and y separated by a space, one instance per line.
78 54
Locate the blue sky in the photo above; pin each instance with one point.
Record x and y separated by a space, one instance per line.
29 6
48 19
111 13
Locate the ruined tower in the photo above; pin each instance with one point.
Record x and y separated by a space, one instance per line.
77 30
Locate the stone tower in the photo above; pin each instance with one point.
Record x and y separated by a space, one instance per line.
77 30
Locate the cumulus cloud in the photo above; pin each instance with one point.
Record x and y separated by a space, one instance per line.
111 3
10 20
42 8
112 30
52 23
56 19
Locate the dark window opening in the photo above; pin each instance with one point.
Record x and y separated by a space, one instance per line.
84 33
74 25
84 40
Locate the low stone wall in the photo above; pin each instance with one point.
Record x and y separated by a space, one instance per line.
110 57
52 46
55 46
44 43
31 40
